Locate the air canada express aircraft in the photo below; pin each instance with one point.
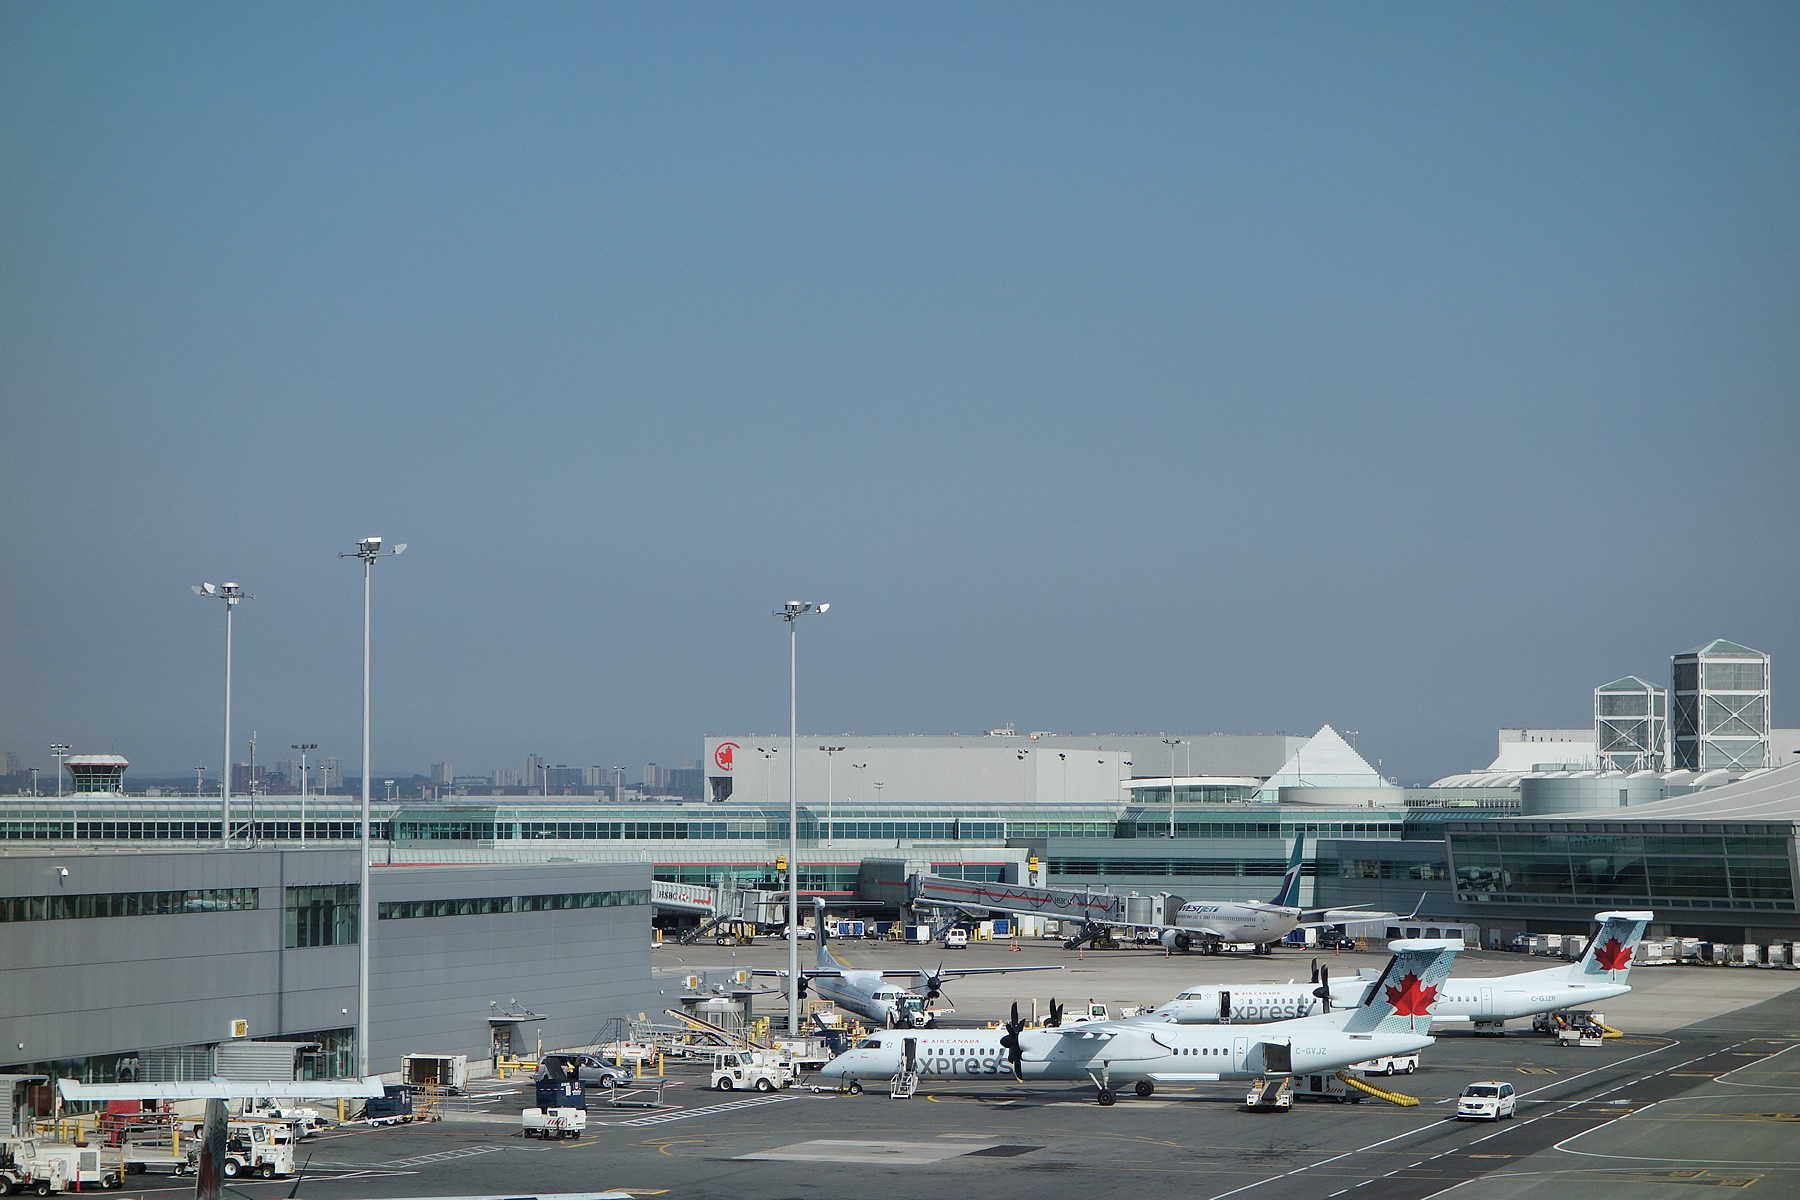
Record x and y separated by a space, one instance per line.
870 994
1392 1017
1600 974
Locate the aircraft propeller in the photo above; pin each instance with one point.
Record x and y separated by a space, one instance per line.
1322 977
1056 1015
934 983
1009 1041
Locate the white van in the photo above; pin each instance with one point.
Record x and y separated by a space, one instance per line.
956 939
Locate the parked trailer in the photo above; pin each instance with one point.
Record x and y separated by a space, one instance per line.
558 1123
27 1164
447 1071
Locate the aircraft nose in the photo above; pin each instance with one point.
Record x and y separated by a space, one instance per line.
834 1068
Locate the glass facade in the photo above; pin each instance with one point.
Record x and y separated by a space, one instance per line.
1746 867
322 916
1630 725
126 904
1720 709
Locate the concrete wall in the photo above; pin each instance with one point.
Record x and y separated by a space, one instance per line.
435 976
79 987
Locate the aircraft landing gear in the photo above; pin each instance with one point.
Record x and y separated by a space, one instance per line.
1103 1081
1144 1087
1107 1098
855 1088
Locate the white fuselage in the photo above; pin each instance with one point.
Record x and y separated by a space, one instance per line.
1493 999
873 998
1122 1052
1238 920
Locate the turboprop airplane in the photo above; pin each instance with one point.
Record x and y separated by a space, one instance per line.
1599 974
1393 1018
209 1178
869 995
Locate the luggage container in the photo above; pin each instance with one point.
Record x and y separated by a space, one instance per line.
918 933
447 1071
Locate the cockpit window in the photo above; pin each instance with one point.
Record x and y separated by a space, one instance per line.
869 1043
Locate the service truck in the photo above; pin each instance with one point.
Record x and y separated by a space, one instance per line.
264 1148
46 1167
763 1070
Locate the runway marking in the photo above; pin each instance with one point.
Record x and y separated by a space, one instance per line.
443 1156
861 1152
710 1110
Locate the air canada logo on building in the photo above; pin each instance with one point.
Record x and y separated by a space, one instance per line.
722 757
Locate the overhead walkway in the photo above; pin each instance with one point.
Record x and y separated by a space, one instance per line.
1059 904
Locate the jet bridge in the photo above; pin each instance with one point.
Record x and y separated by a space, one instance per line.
1058 904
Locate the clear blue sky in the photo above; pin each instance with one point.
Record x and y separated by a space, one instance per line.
1409 367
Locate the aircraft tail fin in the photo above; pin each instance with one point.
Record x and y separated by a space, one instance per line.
1289 895
823 958
1405 993
1609 953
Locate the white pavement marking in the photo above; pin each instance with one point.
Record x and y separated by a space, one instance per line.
443 1156
709 1110
893 1153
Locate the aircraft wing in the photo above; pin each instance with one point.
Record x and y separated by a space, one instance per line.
953 972
805 973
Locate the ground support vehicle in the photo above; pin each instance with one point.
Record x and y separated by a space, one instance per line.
1393 1064
558 1123
761 1070
27 1164
1325 1086
1270 1093
1488 1100
252 1148
393 1107
304 1121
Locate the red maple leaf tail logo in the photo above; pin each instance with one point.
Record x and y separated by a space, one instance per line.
1611 956
1411 999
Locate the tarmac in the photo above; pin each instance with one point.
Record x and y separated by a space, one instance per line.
1703 1091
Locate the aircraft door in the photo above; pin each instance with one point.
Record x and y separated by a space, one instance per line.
910 1057
1240 1053
1487 1001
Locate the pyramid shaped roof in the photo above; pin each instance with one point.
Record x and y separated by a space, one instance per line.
1326 760
1720 648
1631 683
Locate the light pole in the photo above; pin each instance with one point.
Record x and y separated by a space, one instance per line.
59 751
791 612
861 790
1171 743
368 549
768 779
232 595
303 747
199 780
831 752
251 781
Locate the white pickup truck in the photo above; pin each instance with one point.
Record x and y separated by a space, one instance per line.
558 1123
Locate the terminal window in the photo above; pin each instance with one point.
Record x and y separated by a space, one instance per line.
322 916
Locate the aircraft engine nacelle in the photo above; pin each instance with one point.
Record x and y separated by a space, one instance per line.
1176 939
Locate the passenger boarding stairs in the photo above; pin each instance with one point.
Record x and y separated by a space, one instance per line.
905 1084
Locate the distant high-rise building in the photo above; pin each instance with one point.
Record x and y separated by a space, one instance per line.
1630 725
9 763
687 782
442 775
1720 707
595 777
562 779
331 774
529 776
652 777
506 777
